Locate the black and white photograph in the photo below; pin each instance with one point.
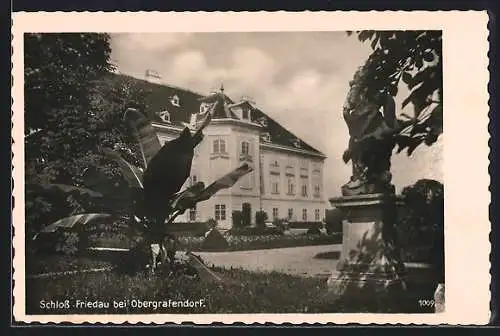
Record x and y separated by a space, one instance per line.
235 172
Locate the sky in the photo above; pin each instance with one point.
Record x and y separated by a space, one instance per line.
300 79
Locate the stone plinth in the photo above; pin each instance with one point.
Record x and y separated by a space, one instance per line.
370 260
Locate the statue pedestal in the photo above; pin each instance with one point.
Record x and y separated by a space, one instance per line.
370 262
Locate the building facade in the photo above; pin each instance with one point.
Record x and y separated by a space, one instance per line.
287 180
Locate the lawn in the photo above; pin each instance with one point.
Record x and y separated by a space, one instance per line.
241 292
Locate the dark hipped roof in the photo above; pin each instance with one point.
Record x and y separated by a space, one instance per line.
158 99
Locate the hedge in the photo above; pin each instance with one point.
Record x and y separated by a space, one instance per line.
304 225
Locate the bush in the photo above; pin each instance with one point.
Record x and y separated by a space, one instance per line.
333 221
256 231
256 242
281 224
196 229
214 240
420 224
305 225
237 217
260 218
246 219
211 224
313 231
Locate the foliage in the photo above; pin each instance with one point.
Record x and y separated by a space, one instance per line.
247 292
260 218
421 223
246 214
303 224
211 223
68 244
415 57
255 231
313 231
65 123
265 241
126 167
237 218
281 223
214 241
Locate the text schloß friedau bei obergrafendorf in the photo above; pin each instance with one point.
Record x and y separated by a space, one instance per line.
121 304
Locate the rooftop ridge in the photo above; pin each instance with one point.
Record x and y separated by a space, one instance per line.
258 110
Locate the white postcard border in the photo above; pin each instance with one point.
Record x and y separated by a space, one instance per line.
466 178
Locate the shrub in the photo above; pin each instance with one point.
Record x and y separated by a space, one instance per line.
196 229
256 231
420 224
237 217
257 242
333 220
281 224
305 225
313 231
246 215
211 224
214 240
260 218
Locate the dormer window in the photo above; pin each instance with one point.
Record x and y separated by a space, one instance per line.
296 143
263 121
245 114
165 116
174 100
266 137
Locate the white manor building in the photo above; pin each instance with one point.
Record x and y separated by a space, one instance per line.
287 181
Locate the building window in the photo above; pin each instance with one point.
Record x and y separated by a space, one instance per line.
317 190
304 214
245 113
291 187
290 214
263 121
164 116
175 101
275 213
275 189
304 190
316 215
219 146
266 137
245 152
192 214
220 212
245 148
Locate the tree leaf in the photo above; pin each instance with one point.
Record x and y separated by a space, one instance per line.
132 174
144 133
375 41
72 221
407 77
365 35
225 181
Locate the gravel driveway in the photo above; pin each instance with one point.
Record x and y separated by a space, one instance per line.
294 260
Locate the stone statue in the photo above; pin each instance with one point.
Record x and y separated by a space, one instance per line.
372 139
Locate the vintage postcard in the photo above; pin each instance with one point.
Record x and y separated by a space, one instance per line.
314 167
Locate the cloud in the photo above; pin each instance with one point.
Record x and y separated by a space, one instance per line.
152 42
299 79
